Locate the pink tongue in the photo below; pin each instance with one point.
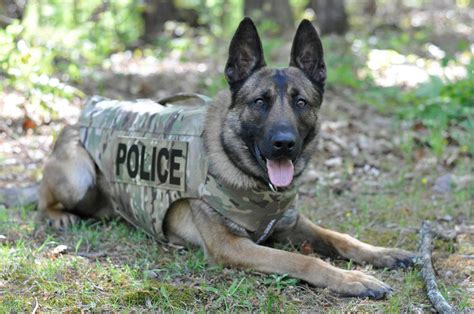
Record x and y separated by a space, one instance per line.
280 171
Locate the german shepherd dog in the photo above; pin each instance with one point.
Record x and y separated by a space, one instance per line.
264 129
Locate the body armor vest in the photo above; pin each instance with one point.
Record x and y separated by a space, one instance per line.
153 155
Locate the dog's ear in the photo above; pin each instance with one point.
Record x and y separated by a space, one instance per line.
245 53
307 53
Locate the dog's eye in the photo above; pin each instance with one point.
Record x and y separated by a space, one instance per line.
301 103
259 102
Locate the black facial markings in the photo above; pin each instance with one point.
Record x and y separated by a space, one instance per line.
310 135
237 161
294 91
281 82
235 88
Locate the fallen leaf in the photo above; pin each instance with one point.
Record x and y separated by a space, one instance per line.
58 250
306 248
28 124
333 162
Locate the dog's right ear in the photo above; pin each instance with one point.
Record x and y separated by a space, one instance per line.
245 53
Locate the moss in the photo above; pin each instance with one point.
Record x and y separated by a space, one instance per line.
379 237
138 297
173 296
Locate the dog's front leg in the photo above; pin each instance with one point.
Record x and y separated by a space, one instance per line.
223 246
333 243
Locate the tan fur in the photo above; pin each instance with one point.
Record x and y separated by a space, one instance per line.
336 244
179 226
70 186
224 247
219 162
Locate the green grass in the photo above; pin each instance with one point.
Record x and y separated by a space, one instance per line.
120 280
135 273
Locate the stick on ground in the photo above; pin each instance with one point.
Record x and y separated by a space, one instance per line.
427 271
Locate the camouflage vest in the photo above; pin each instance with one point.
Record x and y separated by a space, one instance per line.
153 154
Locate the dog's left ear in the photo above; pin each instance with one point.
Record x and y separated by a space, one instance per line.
245 53
307 53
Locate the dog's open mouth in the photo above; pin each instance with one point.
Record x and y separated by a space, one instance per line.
279 171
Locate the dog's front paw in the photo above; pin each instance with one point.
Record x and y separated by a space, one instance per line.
393 258
357 284
61 220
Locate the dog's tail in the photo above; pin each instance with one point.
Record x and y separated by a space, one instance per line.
14 197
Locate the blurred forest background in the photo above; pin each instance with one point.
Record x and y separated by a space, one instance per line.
412 58
398 119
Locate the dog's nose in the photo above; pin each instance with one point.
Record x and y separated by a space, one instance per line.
283 142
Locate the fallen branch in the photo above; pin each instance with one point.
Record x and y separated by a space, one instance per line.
35 309
427 271
92 255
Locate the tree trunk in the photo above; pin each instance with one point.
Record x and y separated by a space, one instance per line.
331 16
155 14
11 10
370 8
75 12
278 11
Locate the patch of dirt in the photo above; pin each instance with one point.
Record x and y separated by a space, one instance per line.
458 268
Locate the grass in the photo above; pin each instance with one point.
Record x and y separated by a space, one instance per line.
134 273
110 266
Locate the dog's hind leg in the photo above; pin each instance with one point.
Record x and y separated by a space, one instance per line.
69 180
223 246
333 243
52 211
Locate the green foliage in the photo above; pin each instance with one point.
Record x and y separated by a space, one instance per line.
437 103
84 35
222 16
439 106
343 72
28 69
445 108
56 42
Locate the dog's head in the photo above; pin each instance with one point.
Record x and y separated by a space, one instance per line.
270 128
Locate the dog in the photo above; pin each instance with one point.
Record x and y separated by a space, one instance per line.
258 137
